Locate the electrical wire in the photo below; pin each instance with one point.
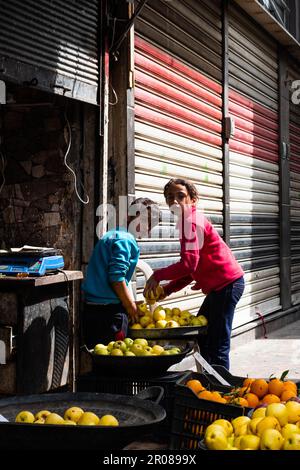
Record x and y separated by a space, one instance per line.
71 169
3 166
115 95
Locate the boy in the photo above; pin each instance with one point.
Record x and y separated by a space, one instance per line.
108 301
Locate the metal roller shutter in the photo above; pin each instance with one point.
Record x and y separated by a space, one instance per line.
178 115
254 166
294 129
52 45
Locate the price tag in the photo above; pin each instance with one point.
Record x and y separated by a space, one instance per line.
209 369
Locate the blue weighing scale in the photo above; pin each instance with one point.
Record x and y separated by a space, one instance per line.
31 263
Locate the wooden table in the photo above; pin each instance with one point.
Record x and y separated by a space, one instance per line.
37 332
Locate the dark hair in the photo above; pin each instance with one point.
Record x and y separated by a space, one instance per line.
192 190
148 204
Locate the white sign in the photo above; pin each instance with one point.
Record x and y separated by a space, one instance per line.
209 369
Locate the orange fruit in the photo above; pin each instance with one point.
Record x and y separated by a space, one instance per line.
243 391
287 394
259 387
195 385
247 382
216 396
275 387
289 385
206 395
239 401
252 399
270 398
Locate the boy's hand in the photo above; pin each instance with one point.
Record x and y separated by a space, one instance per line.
132 311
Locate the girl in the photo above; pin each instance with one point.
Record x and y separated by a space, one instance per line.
206 259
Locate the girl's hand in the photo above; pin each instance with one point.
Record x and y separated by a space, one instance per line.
151 285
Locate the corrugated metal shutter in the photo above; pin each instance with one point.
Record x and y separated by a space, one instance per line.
178 113
294 128
53 43
254 170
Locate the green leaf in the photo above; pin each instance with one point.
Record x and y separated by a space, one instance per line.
284 374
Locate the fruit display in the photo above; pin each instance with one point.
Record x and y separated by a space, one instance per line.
137 347
208 393
262 391
163 317
275 426
72 416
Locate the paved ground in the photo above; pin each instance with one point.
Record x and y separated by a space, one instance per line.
263 357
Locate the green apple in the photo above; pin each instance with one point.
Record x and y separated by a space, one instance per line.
271 439
141 341
99 347
120 345
150 326
54 418
129 353
73 414
116 352
88 419
108 420
110 346
24 417
159 314
137 349
196 321
176 311
128 342
145 321
168 311
203 320
147 351
41 414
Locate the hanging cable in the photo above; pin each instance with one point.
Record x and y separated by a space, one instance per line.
71 169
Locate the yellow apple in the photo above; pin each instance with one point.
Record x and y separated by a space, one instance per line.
73 414
39 421
98 347
129 353
289 429
111 345
236 422
168 311
237 441
150 326
157 349
269 422
259 412
183 321
128 342
159 314
69 421
160 324
226 425
88 418
116 352
136 326
172 324
54 418
279 411
120 345
215 437
241 429
41 414
24 417
137 349
101 351
271 439
176 311
108 420
252 426
293 411
203 320
292 442
249 441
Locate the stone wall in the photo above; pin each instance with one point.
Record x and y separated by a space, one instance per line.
38 204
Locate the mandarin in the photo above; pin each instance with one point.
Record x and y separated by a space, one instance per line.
275 387
247 382
195 385
206 395
287 394
289 385
270 398
259 387
252 399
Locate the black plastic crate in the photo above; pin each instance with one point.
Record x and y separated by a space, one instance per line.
92 382
192 415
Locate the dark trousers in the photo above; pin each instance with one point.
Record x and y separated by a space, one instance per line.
218 307
103 323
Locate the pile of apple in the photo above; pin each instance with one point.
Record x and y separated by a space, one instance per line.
272 427
136 347
163 317
72 416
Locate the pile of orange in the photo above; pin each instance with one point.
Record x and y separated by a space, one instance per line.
252 393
